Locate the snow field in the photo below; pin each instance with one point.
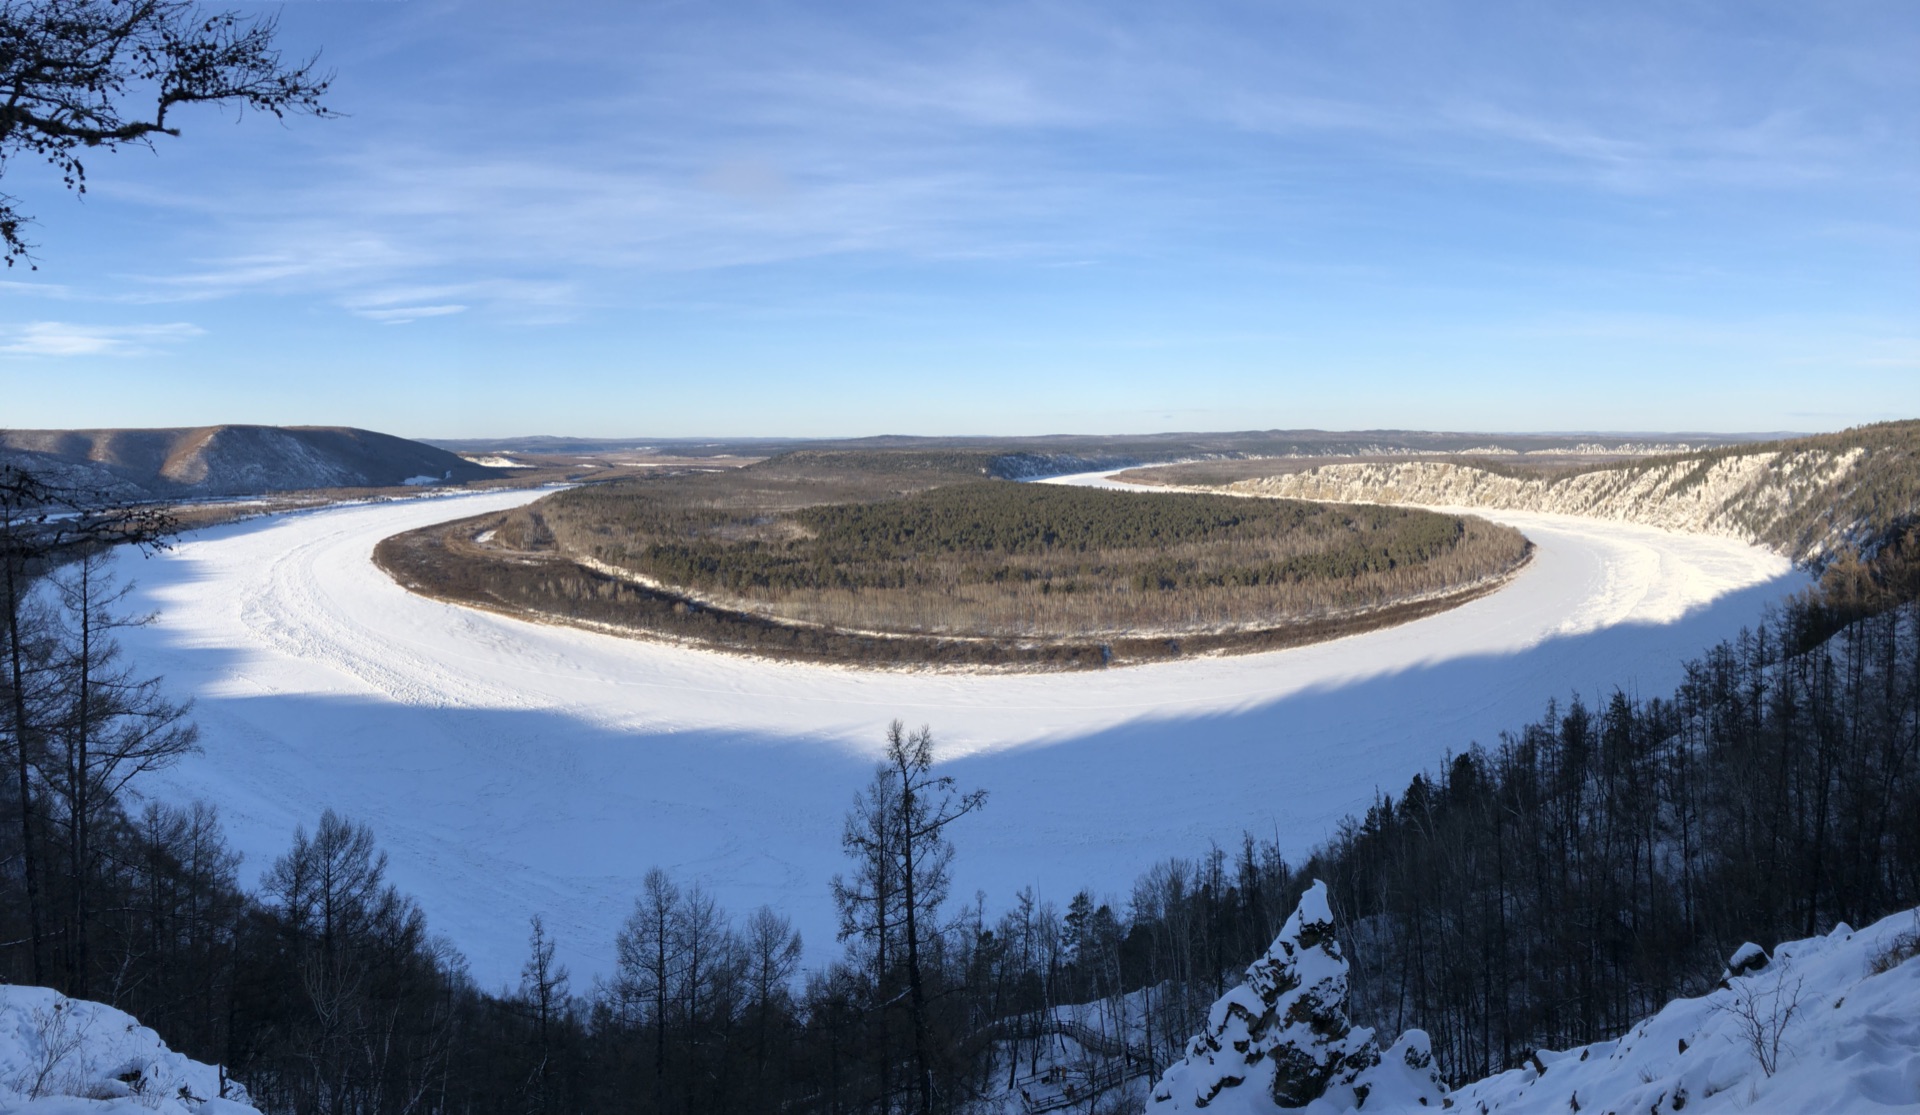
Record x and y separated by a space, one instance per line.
512 768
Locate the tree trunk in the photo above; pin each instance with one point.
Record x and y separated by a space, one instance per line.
29 863
77 819
916 994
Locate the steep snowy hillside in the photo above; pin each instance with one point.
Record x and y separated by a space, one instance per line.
1826 1024
229 460
1801 498
1742 497
61 1056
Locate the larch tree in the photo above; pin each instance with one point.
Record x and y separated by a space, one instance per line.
651 962
117 726
896 833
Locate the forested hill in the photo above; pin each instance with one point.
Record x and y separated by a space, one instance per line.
228 460
1807 498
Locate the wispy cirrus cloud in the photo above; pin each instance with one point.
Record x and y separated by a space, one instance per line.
683 184
60 338
406 315
520 301
966 132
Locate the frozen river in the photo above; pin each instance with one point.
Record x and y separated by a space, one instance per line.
512 768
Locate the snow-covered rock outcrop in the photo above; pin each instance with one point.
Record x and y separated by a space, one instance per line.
1282 1040
1748 496
61 1056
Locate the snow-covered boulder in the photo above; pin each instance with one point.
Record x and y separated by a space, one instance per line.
1282 1040
61 1056
1746 959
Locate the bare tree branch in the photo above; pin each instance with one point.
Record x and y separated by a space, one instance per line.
83 74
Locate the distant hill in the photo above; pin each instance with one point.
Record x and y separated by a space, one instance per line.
1116 449
229 460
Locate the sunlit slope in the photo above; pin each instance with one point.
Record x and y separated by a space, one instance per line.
1804 497
228 460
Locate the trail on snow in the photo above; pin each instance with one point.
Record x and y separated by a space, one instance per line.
512 768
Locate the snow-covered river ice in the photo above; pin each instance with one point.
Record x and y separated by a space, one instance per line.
511 768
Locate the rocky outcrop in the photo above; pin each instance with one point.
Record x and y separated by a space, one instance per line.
1283 1039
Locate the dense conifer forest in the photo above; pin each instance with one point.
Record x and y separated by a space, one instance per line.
1542 889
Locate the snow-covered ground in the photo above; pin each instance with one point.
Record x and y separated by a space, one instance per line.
512 768
61 1056
1817 1030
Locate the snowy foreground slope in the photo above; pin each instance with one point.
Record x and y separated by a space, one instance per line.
61 1056
512 768
1828 1024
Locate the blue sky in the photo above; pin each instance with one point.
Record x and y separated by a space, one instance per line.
849 218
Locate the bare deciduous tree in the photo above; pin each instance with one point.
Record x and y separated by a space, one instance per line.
117 726
43 524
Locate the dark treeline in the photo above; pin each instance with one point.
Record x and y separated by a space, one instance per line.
1552 889
1542 891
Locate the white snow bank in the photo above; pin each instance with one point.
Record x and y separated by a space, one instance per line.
500 462
61 1056
1815 1030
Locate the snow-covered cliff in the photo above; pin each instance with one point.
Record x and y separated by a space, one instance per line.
1754 497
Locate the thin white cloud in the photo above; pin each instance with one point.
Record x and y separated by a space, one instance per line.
59 338
519 301
57 291
403 315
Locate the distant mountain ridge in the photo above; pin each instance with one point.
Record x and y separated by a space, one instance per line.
1138 447
229 460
